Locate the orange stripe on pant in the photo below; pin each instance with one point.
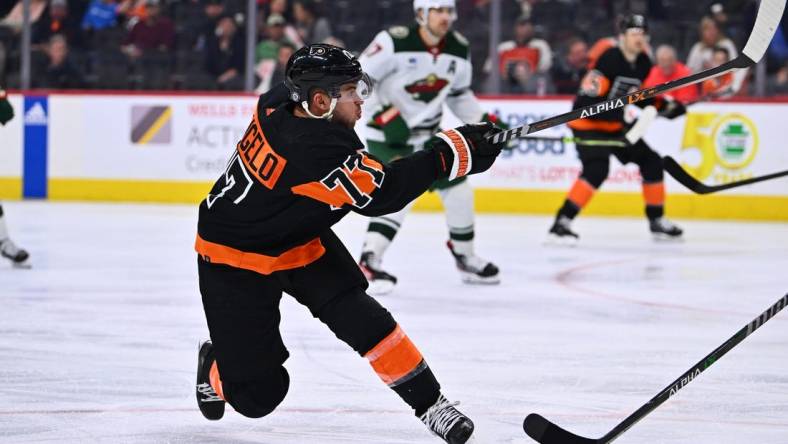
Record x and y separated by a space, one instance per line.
581 192
654 193
395 359
216 380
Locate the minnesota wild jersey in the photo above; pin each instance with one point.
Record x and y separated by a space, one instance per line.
413 81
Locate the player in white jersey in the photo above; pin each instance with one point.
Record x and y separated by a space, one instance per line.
9 250
416 71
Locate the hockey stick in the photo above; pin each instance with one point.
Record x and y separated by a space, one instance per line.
578 141
683 177
769 14
545 432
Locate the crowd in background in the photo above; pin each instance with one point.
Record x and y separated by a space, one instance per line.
546 45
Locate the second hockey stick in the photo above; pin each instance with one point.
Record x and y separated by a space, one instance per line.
683 177
769 14
546 432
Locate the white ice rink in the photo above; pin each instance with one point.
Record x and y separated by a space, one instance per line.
98 341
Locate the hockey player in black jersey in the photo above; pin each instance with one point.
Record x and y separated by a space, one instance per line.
265 228
19 257
618 71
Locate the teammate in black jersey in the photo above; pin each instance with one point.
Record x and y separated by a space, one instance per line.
618 71
19 258
265 228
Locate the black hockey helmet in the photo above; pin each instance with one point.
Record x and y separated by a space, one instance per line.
632 21
325 67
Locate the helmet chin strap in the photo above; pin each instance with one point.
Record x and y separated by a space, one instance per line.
328 113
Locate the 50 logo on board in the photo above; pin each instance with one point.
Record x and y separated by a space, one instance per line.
727 143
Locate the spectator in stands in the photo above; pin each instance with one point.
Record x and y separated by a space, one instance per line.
133 10
224 55
312 27
14 18
60 71
720 86
11 26
524 62
280 7
154 34
570 70
275 30
778 83
700 56
273 73
667 69
57 20
212 12
101 14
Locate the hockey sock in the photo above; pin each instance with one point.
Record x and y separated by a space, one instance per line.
458 205
381 231
216 380
399 365
577 198
654 196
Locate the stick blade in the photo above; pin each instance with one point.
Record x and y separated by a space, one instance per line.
770 13
677 172
545 432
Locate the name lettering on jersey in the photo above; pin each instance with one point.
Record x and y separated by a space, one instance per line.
602 107
259 158
427 88
352 183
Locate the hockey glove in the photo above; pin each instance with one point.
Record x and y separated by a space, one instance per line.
6 112
672 109
465 150
395 129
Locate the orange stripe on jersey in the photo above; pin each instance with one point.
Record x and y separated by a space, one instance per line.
395 359
654 193
336 197
581 192
216 380
349 184
258 156
293 258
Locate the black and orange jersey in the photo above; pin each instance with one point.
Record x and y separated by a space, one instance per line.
612 76
289 180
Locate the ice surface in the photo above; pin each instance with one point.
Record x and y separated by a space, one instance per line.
98 341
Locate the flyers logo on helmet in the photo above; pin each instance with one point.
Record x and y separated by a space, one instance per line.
352 183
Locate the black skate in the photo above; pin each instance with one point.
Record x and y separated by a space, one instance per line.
17 256
561 233
210 404
473 269
663 229
447 422
380 282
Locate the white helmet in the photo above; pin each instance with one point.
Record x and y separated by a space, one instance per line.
426 5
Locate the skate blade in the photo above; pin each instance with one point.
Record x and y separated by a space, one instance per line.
26 265
380 287
474 279
666 238
560 241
